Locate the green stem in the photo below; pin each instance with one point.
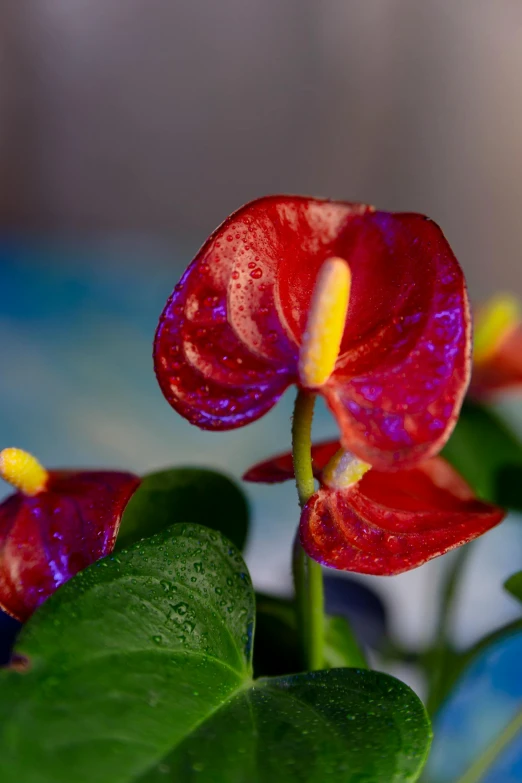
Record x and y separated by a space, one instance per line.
308 577
316 630
482 764
302 445
450 592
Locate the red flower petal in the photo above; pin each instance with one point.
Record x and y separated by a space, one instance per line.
403 409
209 342
240 310
389 523
49 537
382 253
502 371
281 468
281 241
201 400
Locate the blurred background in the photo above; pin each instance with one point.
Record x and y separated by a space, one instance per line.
130 128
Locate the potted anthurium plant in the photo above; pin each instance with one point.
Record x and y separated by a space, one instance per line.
144 655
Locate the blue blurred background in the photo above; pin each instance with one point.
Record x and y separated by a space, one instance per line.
129 129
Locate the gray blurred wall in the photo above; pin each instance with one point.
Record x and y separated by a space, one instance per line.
161 116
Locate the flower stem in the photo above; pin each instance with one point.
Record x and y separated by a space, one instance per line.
442 647
315 639
302 445
308 577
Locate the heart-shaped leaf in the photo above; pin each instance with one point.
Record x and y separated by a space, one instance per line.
189 495
139 669
488 455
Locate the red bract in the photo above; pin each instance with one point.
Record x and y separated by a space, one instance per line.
387 522
228 341
281 467
47 538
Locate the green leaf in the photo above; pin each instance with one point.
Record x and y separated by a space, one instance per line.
341 646
514 585
276 629
139 670
509 486
344 724
488 455
193 495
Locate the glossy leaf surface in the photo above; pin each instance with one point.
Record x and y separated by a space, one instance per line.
193 495
152 682
47 538
228 340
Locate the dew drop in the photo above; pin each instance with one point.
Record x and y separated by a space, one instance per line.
180 608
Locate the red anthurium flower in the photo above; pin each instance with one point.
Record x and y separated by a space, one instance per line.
57 524
367 308
383 523
497 354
